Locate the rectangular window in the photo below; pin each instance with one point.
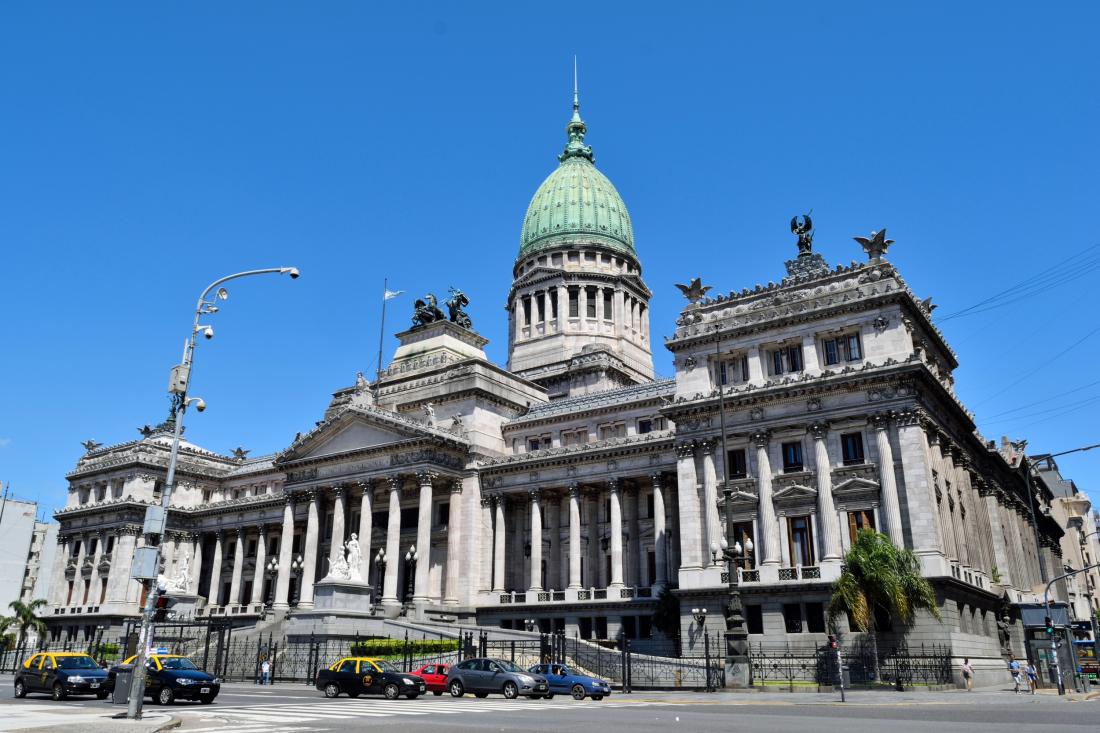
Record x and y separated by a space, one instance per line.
554 303
738 464
777 362
842 348
832 354
444 517
851 448
792 457
110 545
786 360
590 305
533 444
794 358
800 539
607 308
815 618
526 311
754 618
855 351
792 617
409 516
859 520
540 307
743 533
645 425
574 303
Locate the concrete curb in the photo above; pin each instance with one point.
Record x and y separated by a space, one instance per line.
174 722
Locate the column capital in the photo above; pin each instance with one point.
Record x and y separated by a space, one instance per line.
614 485
818 429
337 490
288 499
535 495
456 486
486 500
880 420
708 445
575 490
761 438
395 482
656 479
425 478
913 417
364 485
685 450
239 531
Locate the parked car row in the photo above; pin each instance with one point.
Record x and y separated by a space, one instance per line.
481 677
171 677
168 677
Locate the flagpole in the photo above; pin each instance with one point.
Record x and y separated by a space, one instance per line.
382 327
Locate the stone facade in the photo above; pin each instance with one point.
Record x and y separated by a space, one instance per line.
572 488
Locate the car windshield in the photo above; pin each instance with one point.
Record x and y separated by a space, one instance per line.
177 663
507 666
76 663
386 666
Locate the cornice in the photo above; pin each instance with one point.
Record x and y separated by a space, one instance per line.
615 447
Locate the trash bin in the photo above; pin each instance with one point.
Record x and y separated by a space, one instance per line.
846 676
121 694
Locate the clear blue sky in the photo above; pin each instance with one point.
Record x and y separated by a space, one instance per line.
149 148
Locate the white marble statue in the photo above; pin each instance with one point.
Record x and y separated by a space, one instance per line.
339 569
182 582
429 411
354 559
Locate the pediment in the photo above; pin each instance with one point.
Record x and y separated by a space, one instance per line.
356 429
856 487
795 493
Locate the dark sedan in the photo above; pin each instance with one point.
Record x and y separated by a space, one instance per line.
169 677
355 676
61 674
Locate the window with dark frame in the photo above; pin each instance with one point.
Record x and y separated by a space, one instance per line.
738 463
574 302
590 305
792 457
815 618
842 348
607 309
800 539
792 617
743 533
851 448
645 425
787 359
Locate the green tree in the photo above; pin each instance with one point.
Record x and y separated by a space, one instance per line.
24 618
878 575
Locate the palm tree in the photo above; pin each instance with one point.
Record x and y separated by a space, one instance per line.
25 617
878 575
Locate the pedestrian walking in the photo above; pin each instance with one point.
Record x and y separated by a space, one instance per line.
968 675
1014 670
1032 676
265 672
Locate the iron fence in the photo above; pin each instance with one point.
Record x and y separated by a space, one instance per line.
897 665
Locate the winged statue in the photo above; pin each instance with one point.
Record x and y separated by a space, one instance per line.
91 445
875 245
240 453
695 291
803 226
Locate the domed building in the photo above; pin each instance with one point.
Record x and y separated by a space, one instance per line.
573 492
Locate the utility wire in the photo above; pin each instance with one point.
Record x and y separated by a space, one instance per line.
1061 353
1043 401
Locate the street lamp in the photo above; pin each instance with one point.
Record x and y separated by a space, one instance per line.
272 571
410 571
297 566
700 615
529 624
156 517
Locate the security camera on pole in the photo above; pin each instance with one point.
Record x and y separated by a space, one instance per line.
146 566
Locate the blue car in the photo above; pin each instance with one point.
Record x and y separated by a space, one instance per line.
564 681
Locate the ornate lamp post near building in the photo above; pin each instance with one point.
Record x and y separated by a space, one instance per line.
272 573
156 517
410 571
297 566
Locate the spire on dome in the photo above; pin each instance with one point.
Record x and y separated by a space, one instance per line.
576 128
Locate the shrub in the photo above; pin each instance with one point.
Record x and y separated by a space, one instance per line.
397 647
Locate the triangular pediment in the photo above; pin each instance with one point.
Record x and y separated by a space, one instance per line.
855 486
794 493
355 429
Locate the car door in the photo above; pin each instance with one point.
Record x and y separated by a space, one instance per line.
557 677
370 678
347 675
493 677
32 671
47 672
473 675
441 674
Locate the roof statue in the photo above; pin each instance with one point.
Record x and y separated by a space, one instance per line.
808 264
426 311
875 245
91 445
804 227
455 304
146 430
240 453
695 291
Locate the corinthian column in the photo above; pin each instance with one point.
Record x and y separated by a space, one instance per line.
659 556
238 569
891 503
710 498
214 593
366 517
309 569
258 572
498 545
691 519
826 509
614 491
454 545
286 548
393 544
574 536
769 525
336 545
486 544
196 562
536 541
423 538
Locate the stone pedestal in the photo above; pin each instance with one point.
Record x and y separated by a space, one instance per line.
341 595
186 604
738 674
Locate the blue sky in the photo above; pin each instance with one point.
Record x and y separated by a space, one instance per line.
147 149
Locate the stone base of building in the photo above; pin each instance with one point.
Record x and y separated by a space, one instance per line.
342 595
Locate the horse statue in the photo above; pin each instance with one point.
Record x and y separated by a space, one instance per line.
455 304
426 311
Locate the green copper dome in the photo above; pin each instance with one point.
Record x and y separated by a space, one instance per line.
576 204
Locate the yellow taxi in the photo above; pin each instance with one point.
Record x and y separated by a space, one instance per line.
357 676
61 674
171 677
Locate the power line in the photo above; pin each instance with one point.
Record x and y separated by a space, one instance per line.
1044 400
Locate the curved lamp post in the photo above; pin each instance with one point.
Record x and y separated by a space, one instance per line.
156 516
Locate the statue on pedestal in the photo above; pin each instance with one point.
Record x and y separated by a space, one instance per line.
354 559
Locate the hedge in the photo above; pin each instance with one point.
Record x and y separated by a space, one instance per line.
398 647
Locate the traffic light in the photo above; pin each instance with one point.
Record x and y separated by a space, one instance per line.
832 642
162 606
1050 625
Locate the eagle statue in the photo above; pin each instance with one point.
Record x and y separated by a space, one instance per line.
695 291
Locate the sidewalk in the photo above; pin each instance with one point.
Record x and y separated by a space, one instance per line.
100 721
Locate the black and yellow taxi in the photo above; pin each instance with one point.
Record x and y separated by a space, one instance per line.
171 677
357 676
61 674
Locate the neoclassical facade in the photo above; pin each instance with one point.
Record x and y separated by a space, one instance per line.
573 487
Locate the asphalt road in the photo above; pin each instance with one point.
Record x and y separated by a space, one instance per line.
299 709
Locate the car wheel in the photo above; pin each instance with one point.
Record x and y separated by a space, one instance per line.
101 695
166 696
206 699
332 689
597 697
58 691
391 691
577 692
481 694
413 695
511 692
437 693
20 689
457 690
